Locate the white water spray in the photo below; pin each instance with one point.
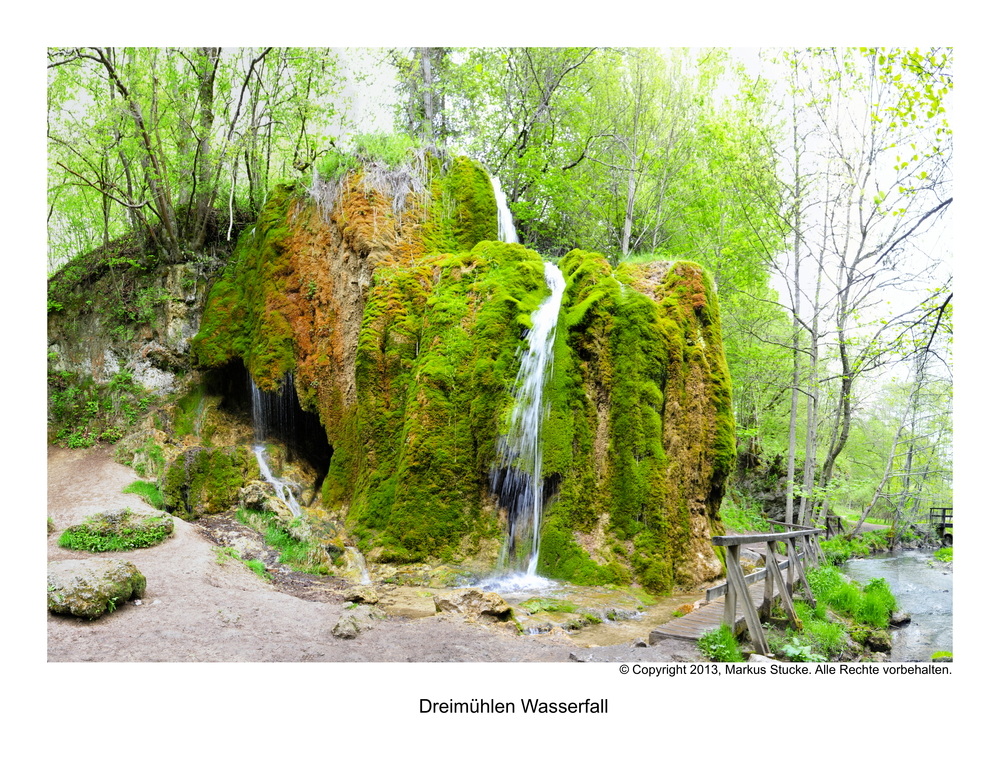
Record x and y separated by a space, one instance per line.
505 222
517 478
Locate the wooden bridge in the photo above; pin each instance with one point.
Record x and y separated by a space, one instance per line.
742 600
940 519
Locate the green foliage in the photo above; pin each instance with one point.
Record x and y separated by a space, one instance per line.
391 149
840 549
259 568
547 604
720 645
945 554
871 605
743 516
117 531
301 555
334 165
148 490
796 650
83 412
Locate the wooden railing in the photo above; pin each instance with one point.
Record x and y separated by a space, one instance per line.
940 517
737 586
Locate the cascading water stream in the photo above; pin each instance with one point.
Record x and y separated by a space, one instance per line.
505 222
517 478
273 411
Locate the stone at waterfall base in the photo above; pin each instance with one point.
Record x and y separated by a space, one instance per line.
89 588
477 606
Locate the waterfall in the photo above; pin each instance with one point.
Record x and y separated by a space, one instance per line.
273 414
281 487
505 222
517 478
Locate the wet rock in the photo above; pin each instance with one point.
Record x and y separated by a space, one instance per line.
475 604
878 640
89 588
254 496
354 568
899 619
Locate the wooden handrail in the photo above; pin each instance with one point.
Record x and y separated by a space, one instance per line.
726 541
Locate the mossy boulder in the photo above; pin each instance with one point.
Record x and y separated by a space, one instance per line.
118 530
207 480
92 587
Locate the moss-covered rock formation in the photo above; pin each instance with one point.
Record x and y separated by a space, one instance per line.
400 316
640 434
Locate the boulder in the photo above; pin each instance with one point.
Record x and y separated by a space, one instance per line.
475 604
354 620
364 595
254 496
89 588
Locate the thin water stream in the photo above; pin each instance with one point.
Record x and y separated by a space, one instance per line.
923 588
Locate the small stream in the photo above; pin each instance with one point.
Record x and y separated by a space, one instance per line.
923 588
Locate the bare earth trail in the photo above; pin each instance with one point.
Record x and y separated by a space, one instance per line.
197 610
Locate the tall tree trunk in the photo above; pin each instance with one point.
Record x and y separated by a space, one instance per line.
208 65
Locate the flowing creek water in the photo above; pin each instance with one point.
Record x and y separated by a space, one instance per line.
923 588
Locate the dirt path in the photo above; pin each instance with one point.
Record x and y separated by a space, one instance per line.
199 610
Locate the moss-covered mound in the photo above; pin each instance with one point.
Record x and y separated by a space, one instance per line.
117 531
402 321
640 432
206 480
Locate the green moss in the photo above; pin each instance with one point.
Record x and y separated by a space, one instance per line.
243 315
436 357
470 188
639 392
204 480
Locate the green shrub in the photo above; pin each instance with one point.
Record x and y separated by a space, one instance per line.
259 568
117 531
720 645
303 556
873 605
335 164
944 554
392 149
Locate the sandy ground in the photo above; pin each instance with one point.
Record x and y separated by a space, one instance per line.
198 610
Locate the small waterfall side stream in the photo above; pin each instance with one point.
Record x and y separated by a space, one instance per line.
272 411
923 589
